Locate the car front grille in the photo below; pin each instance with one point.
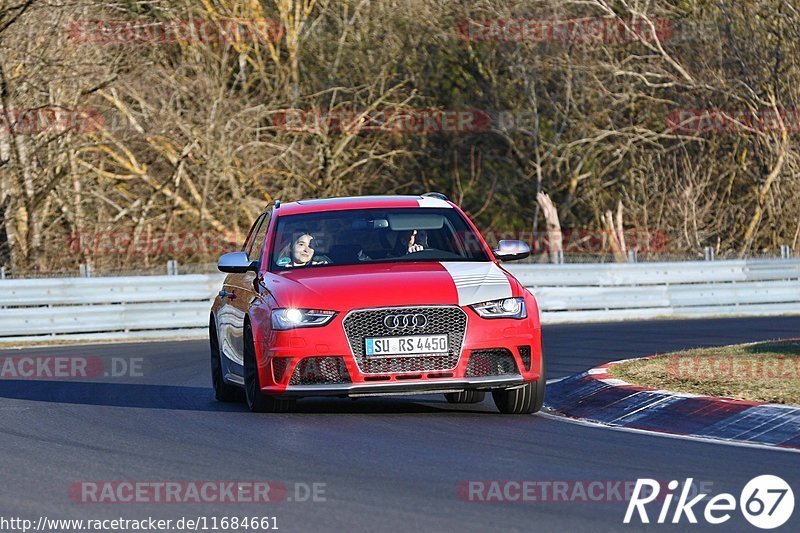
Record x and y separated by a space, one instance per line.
320 371
449 320
492 362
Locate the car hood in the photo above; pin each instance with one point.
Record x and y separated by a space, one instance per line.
390 284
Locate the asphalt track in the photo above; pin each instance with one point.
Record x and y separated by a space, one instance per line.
387 464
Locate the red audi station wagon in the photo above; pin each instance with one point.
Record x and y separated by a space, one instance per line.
370 296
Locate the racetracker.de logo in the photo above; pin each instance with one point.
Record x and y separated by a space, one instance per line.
159 32
44 367
175 243
698 367
583 241
693 121
605 30
50 120
195 491
554 491
411 121
178 492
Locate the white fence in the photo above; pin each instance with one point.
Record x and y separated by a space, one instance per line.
155 306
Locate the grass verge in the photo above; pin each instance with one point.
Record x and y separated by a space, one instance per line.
761 372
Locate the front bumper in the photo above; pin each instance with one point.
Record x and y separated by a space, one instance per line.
499 353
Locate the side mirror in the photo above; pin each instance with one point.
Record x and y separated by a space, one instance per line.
236 263
511 250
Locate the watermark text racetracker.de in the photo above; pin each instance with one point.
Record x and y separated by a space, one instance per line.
594 30
582 240
160 32
416 121
733 121
50 120
68 367
195 492
177 243
555 491
696 367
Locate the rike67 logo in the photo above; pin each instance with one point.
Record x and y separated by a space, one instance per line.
766 502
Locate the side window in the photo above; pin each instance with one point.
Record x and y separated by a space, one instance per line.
260 237
248 242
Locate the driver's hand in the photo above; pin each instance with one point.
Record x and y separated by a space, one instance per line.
412 246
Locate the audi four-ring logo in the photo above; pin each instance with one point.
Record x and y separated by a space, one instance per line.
405 321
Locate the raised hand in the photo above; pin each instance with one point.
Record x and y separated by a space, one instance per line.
412 245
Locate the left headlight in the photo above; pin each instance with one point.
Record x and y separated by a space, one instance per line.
291 318
505 308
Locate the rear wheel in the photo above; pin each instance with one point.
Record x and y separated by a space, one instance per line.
223 392
257 401
466 396
523 400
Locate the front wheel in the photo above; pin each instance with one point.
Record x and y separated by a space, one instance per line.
257 401
523 400
465 396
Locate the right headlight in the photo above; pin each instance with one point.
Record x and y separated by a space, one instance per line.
505 308
290 318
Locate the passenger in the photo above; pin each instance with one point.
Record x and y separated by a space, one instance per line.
417 241
300 252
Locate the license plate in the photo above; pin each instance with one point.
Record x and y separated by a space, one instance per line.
409 345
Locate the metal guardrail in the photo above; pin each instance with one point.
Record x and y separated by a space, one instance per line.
140 306
153 306
692 289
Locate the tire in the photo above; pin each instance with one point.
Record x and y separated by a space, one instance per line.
223 392
523 400
466 396
257 401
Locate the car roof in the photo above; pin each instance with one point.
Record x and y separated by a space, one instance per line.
360 202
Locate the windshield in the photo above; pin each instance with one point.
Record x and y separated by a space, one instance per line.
374 236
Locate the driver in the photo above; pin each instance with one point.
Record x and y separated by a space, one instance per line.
300 252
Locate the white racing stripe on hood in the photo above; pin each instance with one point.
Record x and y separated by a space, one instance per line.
478 282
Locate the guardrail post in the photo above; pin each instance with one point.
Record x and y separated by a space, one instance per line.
633 256
2 272
86 270
709 252
172 267
786 251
